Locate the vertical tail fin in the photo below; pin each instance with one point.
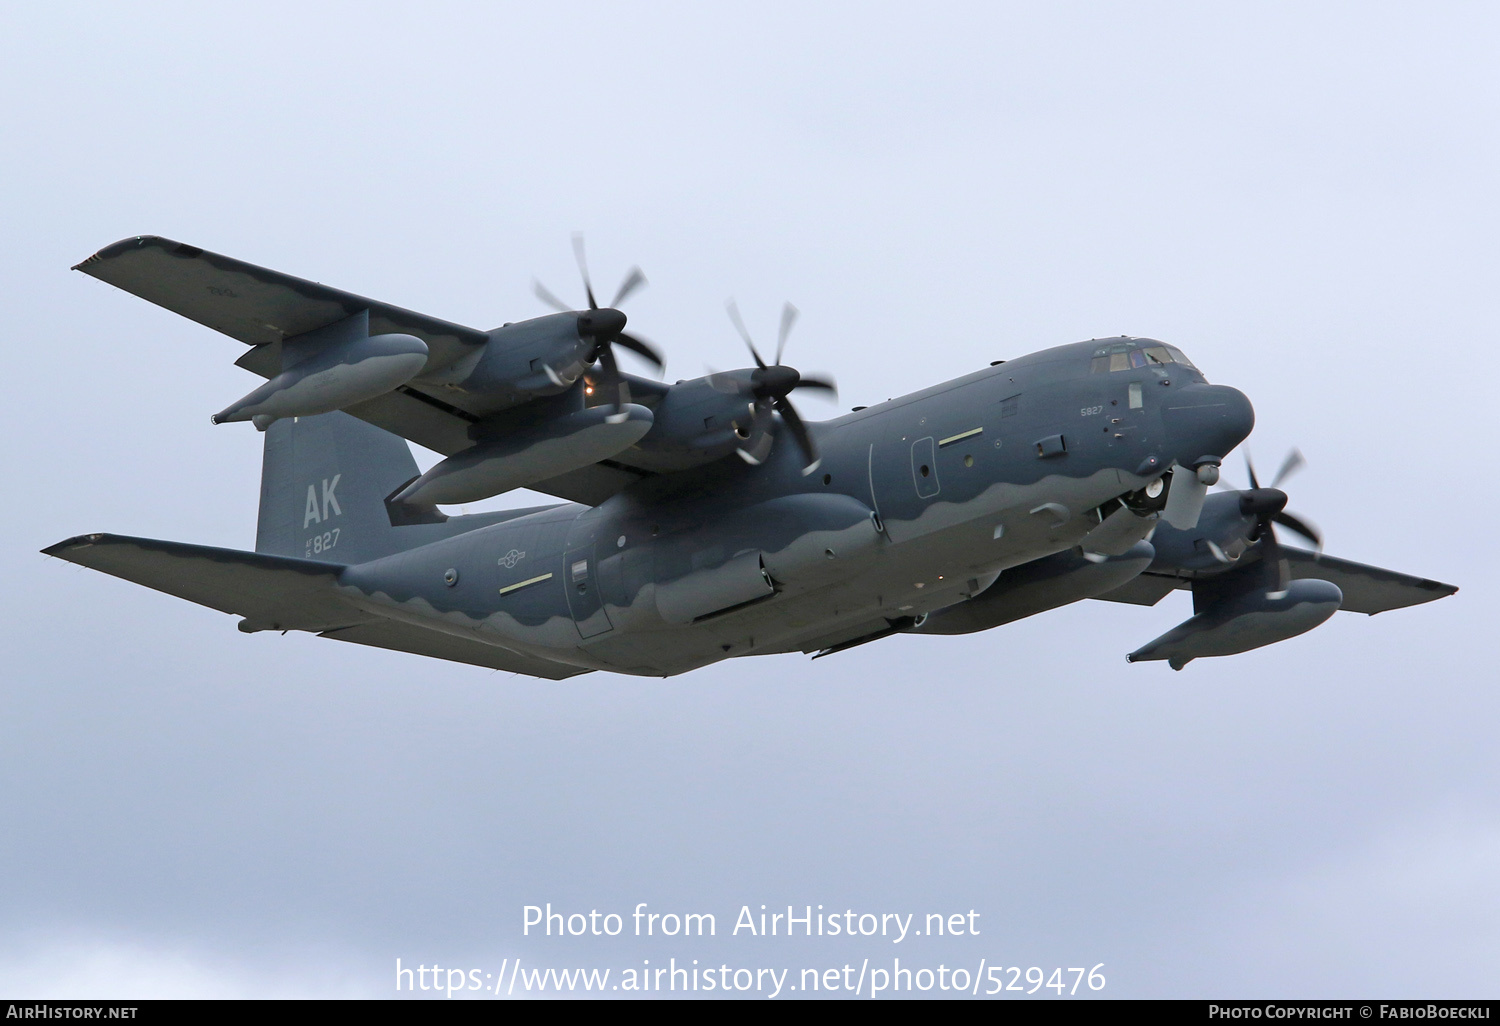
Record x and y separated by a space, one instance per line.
323 490
323 486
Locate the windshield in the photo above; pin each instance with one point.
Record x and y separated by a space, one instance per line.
1135 353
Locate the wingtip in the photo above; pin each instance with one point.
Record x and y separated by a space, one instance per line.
76 542
115 249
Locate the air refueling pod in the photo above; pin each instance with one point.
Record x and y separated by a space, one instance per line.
529 454
1234 620
331 368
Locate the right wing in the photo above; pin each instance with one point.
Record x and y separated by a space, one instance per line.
253 304
262 307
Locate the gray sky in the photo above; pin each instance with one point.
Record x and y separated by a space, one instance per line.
1300 196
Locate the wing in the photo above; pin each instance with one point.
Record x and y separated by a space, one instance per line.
261 307
1367 589
280 593
254 304
270 592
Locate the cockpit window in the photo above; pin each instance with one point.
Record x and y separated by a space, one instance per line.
1134 354
1177 356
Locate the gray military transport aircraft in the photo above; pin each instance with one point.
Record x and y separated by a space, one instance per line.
706 519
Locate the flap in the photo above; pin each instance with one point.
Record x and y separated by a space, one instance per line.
402 637
1144 589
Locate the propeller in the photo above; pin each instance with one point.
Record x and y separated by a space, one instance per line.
604 327
1268 505
768 387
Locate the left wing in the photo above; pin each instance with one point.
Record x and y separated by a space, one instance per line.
1367 589
281 593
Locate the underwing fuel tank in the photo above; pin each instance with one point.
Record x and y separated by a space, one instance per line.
1238 623
1034 587
329 369
530 454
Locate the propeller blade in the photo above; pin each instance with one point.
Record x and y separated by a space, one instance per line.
825 384
548 298
611 380
641 348
583 269
758 446
799 432
739 325
1299 526
1185 498
1294 460
788 318
1272 560
634 280
1250 468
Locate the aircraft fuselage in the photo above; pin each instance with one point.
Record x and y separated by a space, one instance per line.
919 503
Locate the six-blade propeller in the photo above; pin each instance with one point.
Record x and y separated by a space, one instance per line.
604 327
768 387
1268 505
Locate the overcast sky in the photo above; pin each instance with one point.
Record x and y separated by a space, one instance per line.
1302 197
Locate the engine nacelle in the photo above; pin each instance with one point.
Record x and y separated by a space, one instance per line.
536 357
329 369
1239 622
1037 586
695 424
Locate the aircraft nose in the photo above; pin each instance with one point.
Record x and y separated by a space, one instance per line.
1207 420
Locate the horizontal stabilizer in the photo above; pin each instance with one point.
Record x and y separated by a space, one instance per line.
254 304
270 592
402 637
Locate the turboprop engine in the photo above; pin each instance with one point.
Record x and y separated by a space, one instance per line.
328 369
